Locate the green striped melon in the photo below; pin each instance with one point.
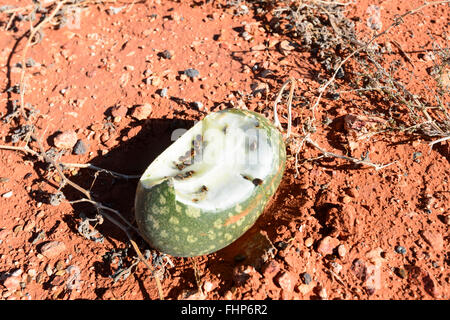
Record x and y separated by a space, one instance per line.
206 189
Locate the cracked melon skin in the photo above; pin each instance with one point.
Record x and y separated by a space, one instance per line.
194 208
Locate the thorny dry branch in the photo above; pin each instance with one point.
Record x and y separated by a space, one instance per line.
396 22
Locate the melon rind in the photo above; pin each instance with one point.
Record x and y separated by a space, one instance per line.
183 230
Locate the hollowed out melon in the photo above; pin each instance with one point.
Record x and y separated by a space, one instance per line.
209 187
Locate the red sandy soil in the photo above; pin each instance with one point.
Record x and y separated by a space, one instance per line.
339 223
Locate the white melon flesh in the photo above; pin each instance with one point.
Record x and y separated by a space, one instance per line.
235 155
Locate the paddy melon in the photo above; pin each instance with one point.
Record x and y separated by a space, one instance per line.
210 186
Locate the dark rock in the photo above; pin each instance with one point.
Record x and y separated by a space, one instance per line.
166 54
191 73
340 74
80 148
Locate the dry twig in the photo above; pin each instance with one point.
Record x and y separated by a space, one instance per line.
42 155
396 22
351 159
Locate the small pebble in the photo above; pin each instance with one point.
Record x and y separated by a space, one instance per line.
163 92
4 179
142 112
246 36
155 81
304 289
12 283
327 245
401 273
309 242
30 63
48 270
38 237
336 267
32 273
3 234
73 281
347 199
265 73
208 286
342 251
323 293
39 278
119 111
57 280
197 105
258 47
447 220
53 249
60 273
271 268
285 45
340 73
191 73
29 225
7 194
400 249
17 272
59 265
166 54
80 148
281 245
66 140
306 277
286 281
434 239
